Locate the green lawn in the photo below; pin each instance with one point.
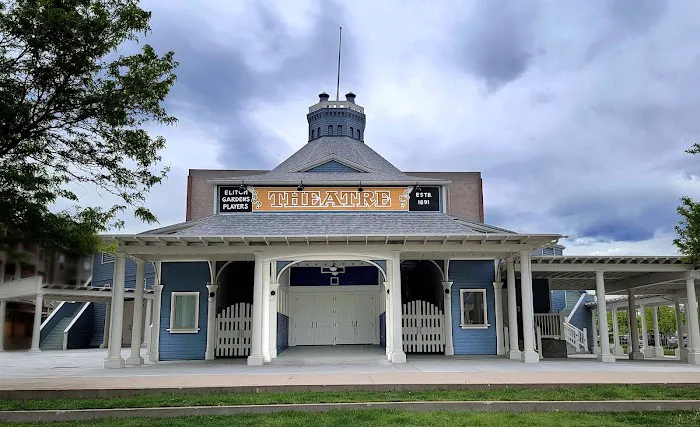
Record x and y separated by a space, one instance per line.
408 419
604 392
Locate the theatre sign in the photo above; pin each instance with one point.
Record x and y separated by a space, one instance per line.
286 199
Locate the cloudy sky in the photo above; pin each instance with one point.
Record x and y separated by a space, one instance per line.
577 114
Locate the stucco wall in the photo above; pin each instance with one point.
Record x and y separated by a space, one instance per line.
464 195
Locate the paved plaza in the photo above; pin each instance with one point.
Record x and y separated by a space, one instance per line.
332 366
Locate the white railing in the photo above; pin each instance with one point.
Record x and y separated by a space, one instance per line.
53 313
573 310
549 324
575 336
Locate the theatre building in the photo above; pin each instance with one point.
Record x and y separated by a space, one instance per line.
336 246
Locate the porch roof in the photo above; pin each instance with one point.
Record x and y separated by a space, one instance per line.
307 228
32 286
651 275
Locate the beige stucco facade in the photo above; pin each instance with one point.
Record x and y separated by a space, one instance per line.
464 193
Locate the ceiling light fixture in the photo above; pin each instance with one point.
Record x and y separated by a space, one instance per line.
301 186
242 188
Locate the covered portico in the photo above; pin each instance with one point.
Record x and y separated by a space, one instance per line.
644 281
415 237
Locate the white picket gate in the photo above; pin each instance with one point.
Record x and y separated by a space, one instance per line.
234 330
422 327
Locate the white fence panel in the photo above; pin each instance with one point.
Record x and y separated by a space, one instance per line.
234 330
549 324
423 328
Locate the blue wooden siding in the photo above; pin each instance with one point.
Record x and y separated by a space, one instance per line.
103 274
333 166
382 330
558 301
282 332
99 315
473 275
353 276
183 277
80 334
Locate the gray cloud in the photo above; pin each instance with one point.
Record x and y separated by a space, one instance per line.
498 40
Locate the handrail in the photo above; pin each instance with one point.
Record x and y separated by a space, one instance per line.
70 325
573 310
53 313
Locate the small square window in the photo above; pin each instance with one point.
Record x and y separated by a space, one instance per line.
473 305
184 312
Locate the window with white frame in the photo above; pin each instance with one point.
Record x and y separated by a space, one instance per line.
184 312
473 305
107 257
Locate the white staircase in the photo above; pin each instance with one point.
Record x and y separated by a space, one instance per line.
54 341
576 338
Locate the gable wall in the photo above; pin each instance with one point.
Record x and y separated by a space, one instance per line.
464 195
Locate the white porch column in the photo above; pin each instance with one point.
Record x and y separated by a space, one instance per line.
154 354
679 329
397 354
210 352
147 326
605 355
266 312
137 326
514 353
691 314
36 331
617 350
634 354
497 293
529 355
114 358
3 308
658 349
645 332
105 331
274 287
256 356
447 303
388 336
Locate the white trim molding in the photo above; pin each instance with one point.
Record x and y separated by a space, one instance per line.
192 330
462 323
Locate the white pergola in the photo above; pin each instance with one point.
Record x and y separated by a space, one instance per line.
32 288
654 279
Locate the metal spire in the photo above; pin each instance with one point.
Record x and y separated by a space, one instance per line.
340 44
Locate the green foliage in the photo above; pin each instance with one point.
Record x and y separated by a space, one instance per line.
688 228
73 114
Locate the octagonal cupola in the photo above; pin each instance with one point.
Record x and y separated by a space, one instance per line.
336 118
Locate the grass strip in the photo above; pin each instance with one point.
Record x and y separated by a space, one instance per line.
596 392
408 419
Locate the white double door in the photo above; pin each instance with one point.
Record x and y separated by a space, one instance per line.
330 316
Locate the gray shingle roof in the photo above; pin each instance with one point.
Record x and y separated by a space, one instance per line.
355 152
290 224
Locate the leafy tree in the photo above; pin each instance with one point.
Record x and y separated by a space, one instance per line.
688 228
73 112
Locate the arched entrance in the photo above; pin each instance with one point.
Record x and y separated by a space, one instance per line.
234 313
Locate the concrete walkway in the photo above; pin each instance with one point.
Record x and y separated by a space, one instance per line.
335 366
